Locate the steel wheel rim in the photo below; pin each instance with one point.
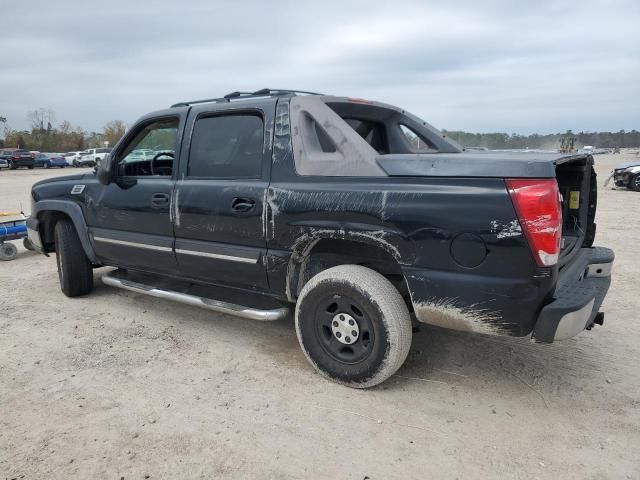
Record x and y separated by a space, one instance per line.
332 331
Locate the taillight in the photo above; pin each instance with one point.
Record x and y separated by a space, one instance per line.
537 203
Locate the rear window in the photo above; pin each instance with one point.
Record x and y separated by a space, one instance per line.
103 150
227 146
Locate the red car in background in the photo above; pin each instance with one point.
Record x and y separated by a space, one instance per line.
17 158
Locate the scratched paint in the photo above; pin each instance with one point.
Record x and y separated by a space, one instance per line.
506 230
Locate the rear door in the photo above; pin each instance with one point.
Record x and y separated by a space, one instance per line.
224 173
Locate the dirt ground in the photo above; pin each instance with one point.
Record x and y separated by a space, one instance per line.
118 385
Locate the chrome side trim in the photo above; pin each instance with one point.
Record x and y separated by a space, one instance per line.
599 270
132 244
573 323
217 255
210 304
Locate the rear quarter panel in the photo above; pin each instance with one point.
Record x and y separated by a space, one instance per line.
458 242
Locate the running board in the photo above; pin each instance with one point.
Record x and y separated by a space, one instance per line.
112 280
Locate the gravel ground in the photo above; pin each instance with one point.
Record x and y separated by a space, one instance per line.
119 385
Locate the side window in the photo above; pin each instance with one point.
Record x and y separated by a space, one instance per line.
417 143
151 151
226 146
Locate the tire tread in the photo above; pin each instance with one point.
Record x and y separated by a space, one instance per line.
77 279
395 316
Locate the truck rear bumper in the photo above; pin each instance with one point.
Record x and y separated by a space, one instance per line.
581 288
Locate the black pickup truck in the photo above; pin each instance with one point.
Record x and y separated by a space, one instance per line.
364 217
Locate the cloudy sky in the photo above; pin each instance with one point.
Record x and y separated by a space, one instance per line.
516 66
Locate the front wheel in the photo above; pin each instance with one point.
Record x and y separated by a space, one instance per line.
74 268
634 183
353 326
12 165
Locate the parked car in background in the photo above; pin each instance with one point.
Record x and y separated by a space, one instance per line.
627 175
3 163
91 156
84 160
140 155
17 158
73 158
49 160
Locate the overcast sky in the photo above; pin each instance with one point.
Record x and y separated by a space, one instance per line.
518 66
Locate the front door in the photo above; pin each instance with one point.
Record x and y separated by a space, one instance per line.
224 173
130 219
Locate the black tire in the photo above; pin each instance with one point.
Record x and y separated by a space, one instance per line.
8 251
26 243
353 297
74 268
12 165
30 167
634 182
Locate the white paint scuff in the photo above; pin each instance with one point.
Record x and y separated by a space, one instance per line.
444 312
507 230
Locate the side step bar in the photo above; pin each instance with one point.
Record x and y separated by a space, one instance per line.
202 302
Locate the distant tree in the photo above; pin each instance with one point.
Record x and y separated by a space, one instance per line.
551 141
113 131
41 119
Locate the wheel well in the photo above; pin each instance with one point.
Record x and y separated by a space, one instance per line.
327 253
48 222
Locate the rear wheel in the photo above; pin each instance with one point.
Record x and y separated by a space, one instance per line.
74 268
353 326
8 251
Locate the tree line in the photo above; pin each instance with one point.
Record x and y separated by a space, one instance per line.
44 135
551 141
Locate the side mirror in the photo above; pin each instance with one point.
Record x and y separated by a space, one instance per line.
103 170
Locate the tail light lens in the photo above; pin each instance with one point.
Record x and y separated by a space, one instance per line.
538 205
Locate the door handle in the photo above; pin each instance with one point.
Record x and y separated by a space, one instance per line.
159 200
242 204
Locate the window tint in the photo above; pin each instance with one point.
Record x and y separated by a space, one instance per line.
417 143
228 146
151 151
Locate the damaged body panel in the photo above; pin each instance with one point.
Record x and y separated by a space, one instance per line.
296 185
